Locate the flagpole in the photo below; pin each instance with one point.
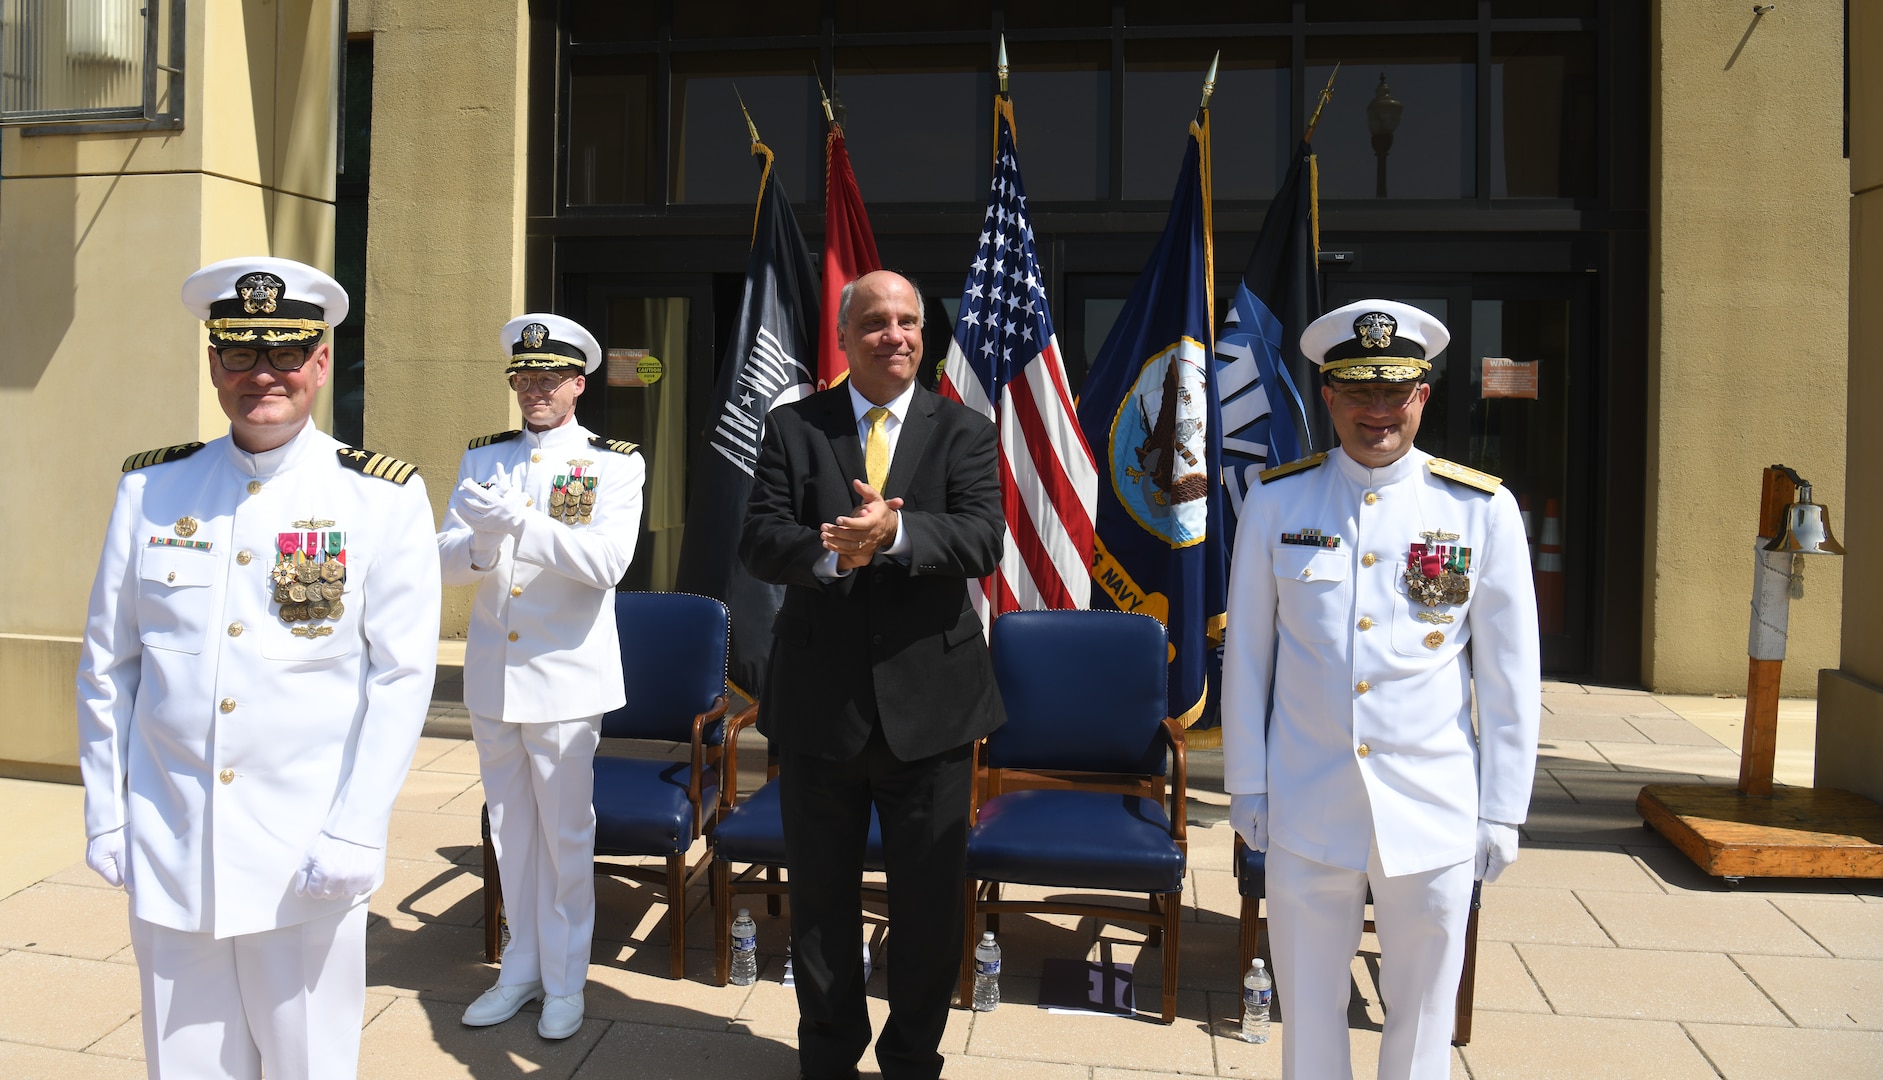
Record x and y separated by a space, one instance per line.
1327 94
1000 69
1209 81
830 117
759 149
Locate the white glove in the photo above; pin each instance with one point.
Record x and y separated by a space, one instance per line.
104 853
1248 815
1497 848
336 869
486 549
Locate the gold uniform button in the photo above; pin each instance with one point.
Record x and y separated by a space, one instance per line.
235 629
1363 750
254 487
227 776
513 635
1366 623
244 557
536 457
1305 574
1368 559
529 502
172 576
1362 687
228 704
516 590
1372 497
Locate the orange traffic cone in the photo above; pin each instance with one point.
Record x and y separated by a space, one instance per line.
1529 527
1549 571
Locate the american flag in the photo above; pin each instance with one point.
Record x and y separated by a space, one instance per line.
1004 362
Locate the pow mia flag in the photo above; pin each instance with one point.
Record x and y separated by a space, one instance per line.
768 362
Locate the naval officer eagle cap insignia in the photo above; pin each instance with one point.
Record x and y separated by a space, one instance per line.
372 463
617 445
1300 465
145 458
501 436
1464 474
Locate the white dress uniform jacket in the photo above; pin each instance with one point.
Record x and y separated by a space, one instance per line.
542 643
224 741
1370 735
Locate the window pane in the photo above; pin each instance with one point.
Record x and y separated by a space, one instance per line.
698 20
919 122
611 20
1389 10
1051 14
1062 118
611 106
1542 115
1543 9
876 17
1431 153
1248 116
712 159
1205 12
72 61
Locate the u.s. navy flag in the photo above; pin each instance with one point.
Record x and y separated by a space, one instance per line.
1004 363
767 363
1150 411
1264 423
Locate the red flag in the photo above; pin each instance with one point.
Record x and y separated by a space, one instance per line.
1004 363
849 251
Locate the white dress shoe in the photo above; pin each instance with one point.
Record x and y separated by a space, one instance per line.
562 1016
500 1003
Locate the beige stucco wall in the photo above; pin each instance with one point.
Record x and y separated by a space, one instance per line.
99 360
1747 312
1850 699
445 219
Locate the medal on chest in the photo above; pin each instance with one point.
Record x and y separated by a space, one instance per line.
572 496
1438 571
309 576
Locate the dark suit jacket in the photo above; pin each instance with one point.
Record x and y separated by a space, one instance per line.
892 641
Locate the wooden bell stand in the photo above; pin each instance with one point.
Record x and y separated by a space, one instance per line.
1756 830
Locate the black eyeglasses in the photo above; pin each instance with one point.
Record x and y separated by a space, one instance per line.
281 358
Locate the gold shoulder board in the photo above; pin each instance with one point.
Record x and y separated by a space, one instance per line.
1269 476
501 436
616 445
161 455
376 464
1465 475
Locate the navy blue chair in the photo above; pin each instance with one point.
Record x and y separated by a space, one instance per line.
1251 869
673 660
751 831
1083 788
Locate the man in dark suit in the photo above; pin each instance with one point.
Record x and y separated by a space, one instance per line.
874 503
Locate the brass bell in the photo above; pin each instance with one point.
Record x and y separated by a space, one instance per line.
1806 529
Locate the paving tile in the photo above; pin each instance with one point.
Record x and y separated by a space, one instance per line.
641 992
769 1009
1846 929
1600 727
430 748
1213 897
1552 866
1603 702
45 831
468 803
1503 984
431 891
41 1061
1538 915
434 838
77 874
460 757
1570 754
1766 1054
1554 686
1566 821
656 1053
1084 1039
127 1040
970 1067
1263 1061
1707 761
1672 731
1639 984
1824 992
1515 1046
405 957
417 1037
428 791
1698 922
92 999
68 920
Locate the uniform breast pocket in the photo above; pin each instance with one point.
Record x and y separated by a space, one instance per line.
1311 591
174 597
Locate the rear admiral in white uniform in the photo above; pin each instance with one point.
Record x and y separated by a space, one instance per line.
256 668
1372 586
543 522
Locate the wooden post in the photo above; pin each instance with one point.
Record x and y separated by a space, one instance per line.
1759 742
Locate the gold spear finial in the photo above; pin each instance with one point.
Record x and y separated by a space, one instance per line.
829 117
1001 68
749 125
1327 94
1209 81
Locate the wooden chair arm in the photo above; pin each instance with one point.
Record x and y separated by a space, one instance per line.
1179 780
729 783
699 745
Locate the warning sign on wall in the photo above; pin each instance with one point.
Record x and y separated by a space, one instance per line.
1506 378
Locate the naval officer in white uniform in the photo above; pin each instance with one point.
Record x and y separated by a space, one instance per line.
255 673
1372 587
543 522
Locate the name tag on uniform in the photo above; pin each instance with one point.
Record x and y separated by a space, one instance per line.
1310 538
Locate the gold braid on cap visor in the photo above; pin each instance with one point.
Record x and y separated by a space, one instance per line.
544 360
273 331
1367 368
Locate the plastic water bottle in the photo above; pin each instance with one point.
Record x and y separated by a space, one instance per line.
987 974
744 949
1258 990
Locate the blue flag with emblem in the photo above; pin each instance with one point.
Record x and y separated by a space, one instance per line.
1150 413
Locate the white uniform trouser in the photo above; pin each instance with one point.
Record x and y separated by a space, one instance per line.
290 999
539 783
1314 919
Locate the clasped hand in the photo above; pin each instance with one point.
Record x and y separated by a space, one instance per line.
869 528
497 508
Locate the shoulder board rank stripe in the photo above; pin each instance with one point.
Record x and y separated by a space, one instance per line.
617 445
501 436
1268 476
160 455
1463 474
377 465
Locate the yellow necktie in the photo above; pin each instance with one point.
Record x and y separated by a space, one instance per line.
876 449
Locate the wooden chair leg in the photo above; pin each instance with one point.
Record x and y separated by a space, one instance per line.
774 902
1248 942
1173 922
1154 937
493 898
1468 978
993 919
721 893
677 915
969 939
